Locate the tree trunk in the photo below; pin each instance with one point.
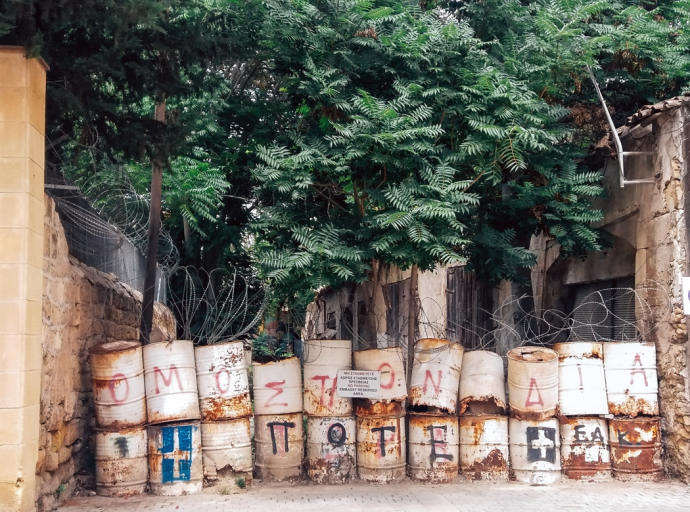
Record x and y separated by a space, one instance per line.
152 239
411 323
187 230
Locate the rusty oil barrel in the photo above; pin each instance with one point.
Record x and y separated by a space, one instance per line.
117 379
175 459
433 447
436 375
631 379
170 376
484 452
585 449
535 450
278 387
279 446
636 449
221 373
226 445
322 360
388 361
381 441
581 382
122 467
533 383
482 383
331 449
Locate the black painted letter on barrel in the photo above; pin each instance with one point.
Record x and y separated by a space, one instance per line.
383 431
438 442
286 425
336 434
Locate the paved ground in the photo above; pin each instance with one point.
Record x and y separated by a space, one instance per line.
667 496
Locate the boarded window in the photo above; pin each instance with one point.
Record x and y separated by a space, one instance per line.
397 306
604 310
469 307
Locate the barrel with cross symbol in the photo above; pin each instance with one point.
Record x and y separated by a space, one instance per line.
535 451
175 464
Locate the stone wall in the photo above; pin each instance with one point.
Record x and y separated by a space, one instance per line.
82 307
650 241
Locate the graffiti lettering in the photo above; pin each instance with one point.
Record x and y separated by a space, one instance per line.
286 425
122 446
390 383
221 388
622 438
323 379
337 435
638 361
117 378
440 443
579 370
168 380
533 387
597 436
428 377
382 437
277 386
580 435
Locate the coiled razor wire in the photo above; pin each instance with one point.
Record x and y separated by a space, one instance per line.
515 322
215 306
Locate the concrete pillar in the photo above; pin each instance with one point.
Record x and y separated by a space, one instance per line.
22 130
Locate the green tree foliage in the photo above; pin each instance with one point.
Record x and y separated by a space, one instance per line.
411 145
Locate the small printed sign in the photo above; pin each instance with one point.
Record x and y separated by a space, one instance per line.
686 295
358 384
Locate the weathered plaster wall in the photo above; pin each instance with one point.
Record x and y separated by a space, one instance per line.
82 307
650 241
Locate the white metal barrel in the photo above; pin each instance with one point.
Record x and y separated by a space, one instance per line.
585 449
175 459
482 383
322 360
581 382
331 449
433 448
221 374
535 451
388 361
381 448
170 373
278 387
533 382
226 445
436 375
279 447
636 449
631 379
122 467
484 452
117 378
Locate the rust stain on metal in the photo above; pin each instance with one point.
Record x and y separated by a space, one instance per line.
315 402
338 470
493 465
636 449
482 405
535 415
365 407
220 408
632 407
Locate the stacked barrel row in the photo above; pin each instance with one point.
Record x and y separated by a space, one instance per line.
148 409
584 383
